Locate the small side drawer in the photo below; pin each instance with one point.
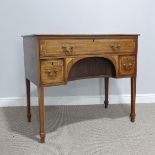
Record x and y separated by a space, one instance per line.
127 65
52 71
68 47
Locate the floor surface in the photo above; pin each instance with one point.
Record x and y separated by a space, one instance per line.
79 130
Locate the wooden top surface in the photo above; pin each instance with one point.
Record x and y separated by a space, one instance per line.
80 35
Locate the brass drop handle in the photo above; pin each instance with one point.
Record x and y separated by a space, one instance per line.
52 72
67 50
127 66
115 46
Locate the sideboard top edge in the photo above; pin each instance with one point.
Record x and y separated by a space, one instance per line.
79 35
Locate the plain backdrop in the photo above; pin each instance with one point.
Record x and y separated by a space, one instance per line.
21 17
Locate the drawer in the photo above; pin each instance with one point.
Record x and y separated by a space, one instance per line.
52 71
127 65
57 47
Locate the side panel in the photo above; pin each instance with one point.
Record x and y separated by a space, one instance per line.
31 59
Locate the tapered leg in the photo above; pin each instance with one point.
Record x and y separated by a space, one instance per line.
41 114
106 102
133 98
28 100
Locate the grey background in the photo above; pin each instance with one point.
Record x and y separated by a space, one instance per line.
75 17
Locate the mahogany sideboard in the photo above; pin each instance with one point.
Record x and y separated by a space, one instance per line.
56 59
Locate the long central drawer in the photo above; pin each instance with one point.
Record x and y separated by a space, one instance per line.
57 47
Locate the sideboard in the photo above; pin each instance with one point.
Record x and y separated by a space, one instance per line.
52 60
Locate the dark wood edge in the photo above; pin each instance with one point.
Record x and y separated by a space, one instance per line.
125 76
82 36
50 57
54 84
39 66
65 83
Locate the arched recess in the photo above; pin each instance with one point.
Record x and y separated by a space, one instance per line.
89 67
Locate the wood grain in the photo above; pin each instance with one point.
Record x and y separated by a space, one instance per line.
106 86
41 113
28 97
133 99
127 65
91 67
56 59
83 46
52 71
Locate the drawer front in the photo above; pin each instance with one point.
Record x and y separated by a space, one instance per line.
85 46
52 71
127 65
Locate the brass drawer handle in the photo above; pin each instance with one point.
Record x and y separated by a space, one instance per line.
54 71
127 66
67 50
115 46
